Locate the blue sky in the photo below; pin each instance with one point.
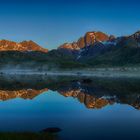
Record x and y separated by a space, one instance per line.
51 23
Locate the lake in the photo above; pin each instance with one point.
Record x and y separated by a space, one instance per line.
84 108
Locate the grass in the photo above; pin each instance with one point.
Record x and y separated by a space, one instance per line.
26 136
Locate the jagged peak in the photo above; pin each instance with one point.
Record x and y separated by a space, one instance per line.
88 39
28 41
95 32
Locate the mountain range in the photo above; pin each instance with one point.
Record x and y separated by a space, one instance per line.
97 48
94 49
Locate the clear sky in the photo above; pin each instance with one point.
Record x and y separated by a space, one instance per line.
53 22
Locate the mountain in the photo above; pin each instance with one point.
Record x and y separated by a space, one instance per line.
94 49
89 39
6 45
91 44
123 51
95 38
98 49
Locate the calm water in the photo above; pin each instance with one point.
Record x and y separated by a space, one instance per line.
85 109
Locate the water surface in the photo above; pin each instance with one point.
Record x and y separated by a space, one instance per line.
83 108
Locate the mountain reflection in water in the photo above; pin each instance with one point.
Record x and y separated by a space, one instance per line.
94 93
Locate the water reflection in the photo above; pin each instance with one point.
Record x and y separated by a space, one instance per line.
93 93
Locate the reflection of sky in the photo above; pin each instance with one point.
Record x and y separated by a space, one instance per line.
51 23
52 109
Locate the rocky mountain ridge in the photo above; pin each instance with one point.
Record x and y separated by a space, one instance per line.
97 44
93 38
89 39
6 45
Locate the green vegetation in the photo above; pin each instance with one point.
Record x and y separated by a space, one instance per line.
55 59
123 56
26 136
51 60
